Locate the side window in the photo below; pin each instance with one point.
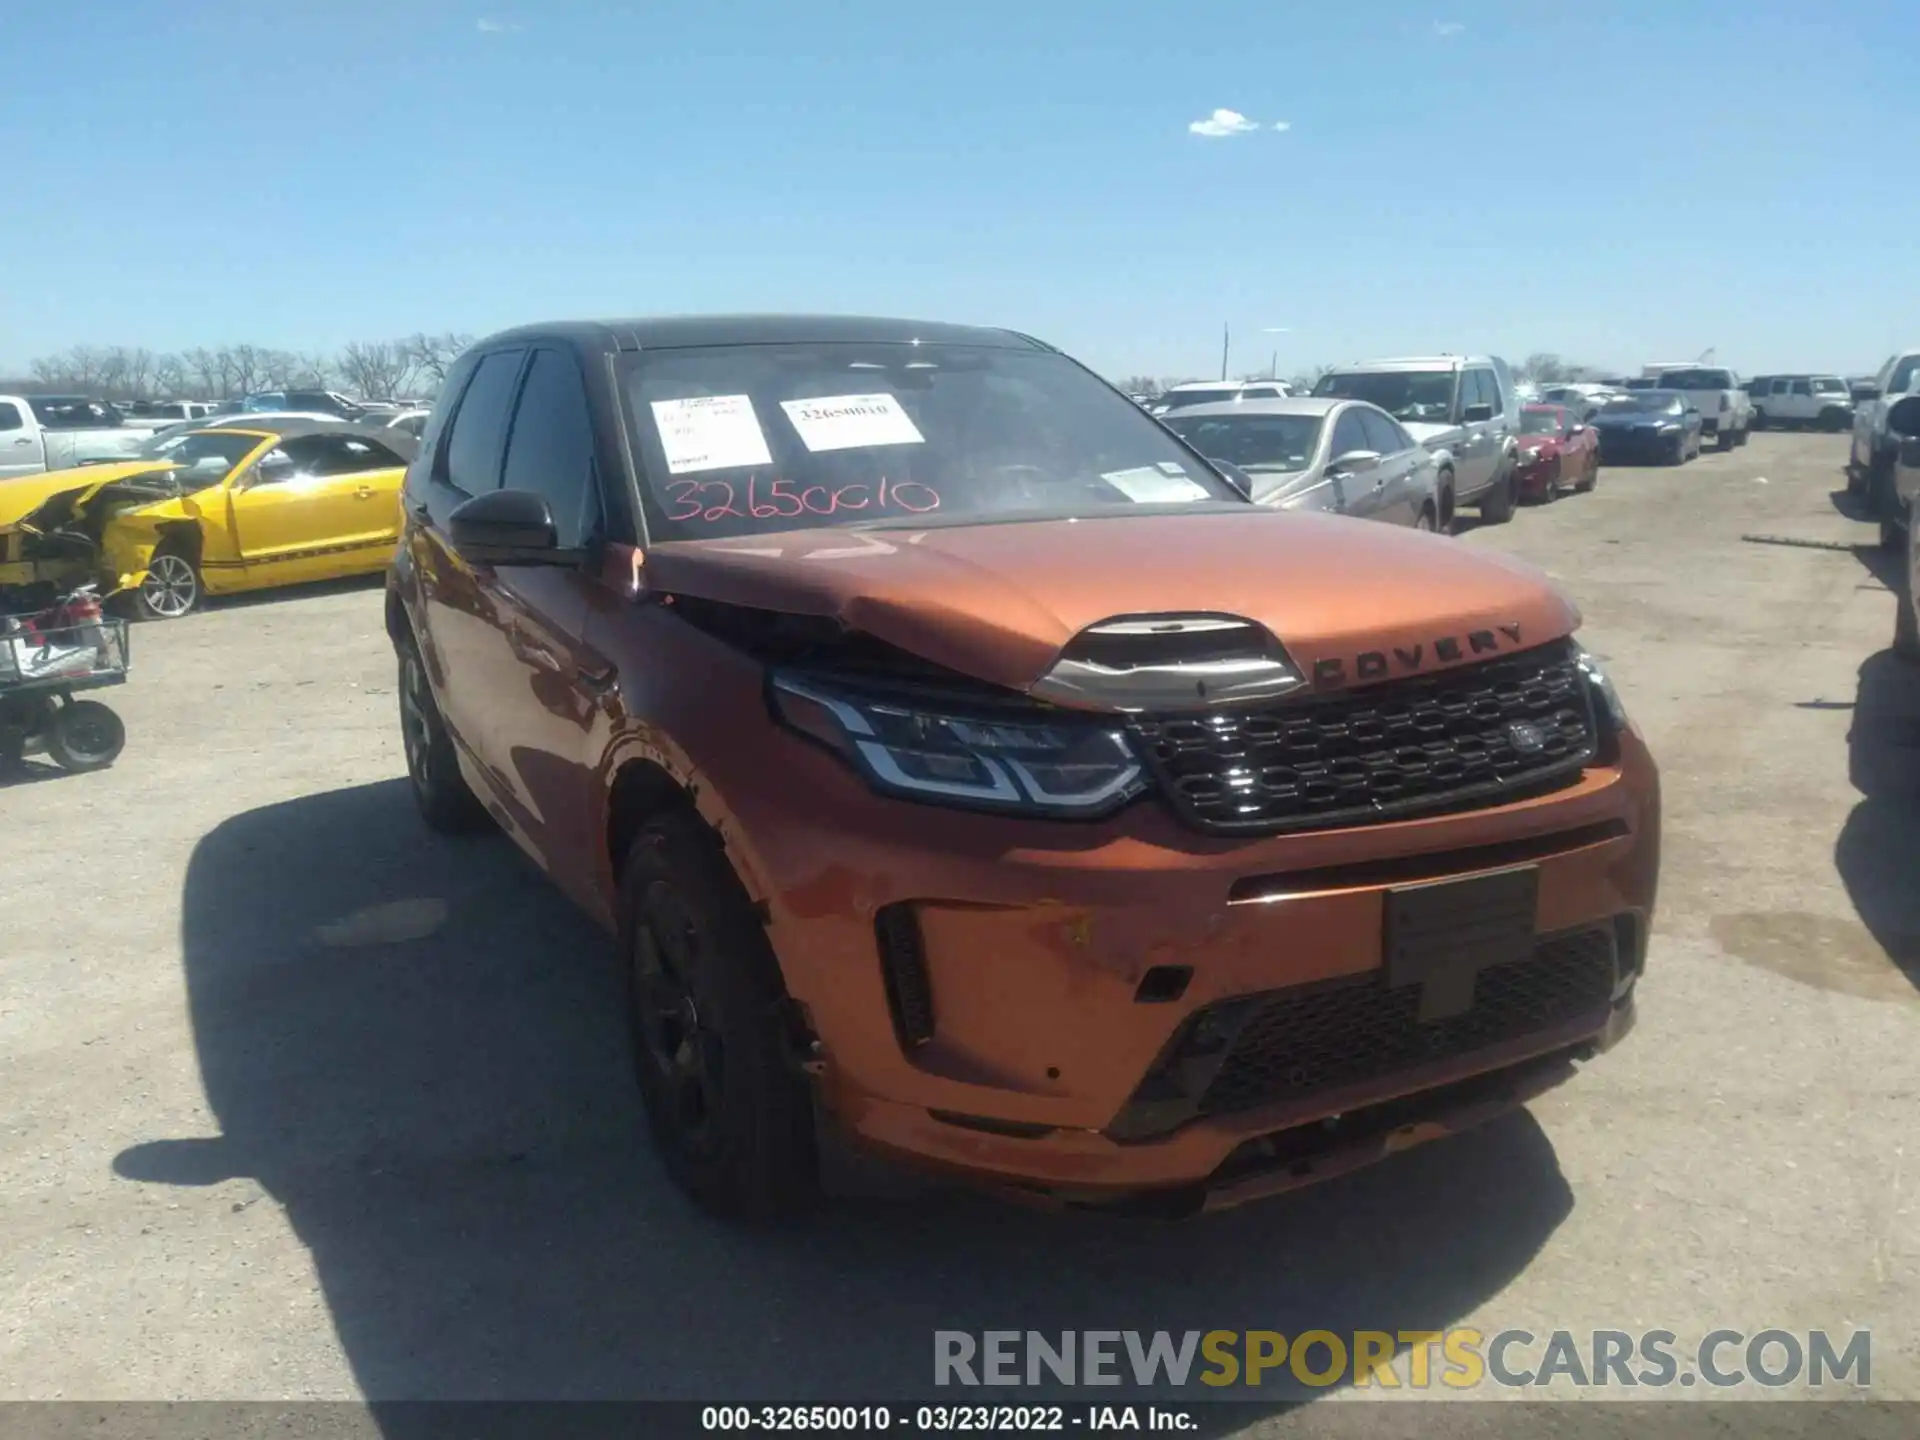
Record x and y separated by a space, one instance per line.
1349 433
480 424
10 418
1802 387
350 455
300 455
1382 434
1484 389
550 450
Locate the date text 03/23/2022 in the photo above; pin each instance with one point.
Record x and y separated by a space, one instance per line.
945 1419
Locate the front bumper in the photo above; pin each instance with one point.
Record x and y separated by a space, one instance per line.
988 995
1630 445
1536 478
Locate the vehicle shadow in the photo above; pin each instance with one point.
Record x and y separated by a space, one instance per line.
1878 852
415 1047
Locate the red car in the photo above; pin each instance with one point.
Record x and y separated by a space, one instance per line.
1558 451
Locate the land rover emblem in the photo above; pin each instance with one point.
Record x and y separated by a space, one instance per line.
1527 738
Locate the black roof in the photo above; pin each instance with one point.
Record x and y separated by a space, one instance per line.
671 332
398 441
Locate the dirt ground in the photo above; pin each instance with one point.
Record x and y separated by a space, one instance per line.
299 1101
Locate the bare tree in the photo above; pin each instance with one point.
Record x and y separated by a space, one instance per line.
170 375
376 369
1543 368
433 355
1140 385
1303 383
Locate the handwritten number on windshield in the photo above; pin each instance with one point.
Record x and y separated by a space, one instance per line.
715 500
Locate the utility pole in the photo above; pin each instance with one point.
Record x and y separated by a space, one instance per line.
1225 343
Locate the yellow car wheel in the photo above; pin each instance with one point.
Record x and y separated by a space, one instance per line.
170 588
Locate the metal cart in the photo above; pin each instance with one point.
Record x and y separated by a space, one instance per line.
45 659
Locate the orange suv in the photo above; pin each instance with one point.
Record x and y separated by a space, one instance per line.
967 766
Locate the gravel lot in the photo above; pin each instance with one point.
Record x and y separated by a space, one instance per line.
301 1102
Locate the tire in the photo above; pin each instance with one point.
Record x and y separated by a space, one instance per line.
85 735
1447 509
171 587
1744 435
1679 454
1497 507
729 1110
441 793
1425 521
1726 440
1593 478
1759 421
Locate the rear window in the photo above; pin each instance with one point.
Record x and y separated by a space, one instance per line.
1539 422
1253 442
740 440
1697 380
1180 399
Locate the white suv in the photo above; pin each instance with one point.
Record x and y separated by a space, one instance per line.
1216 392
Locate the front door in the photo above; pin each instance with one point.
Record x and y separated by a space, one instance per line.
1397 499
1354 481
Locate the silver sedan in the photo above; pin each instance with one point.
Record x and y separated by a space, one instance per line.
1345 457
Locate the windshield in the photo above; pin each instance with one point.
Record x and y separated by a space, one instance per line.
1539 422
1696 380
64 412
201 457
1253 442
1418 395
741 440
1644 402
1829 385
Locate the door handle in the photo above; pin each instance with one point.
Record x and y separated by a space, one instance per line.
24 440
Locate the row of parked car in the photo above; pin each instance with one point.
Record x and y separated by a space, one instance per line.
56 432
1415 440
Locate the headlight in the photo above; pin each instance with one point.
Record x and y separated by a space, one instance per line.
1603 687
1033 766
1529 453
1670 425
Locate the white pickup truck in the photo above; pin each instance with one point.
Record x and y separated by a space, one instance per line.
1726 411
58 432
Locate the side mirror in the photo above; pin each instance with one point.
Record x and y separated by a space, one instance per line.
1352 461
1475 413
1233 475
507 527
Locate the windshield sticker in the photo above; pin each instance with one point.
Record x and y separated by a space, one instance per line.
1173 467
710 432
1146 485
851 422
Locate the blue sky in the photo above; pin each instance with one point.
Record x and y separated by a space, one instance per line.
1475 176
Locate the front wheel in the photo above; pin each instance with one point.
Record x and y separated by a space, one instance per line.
171 587
1677 453
85 735
1497 507
1593 477
1424 520
445 800
729 1109
1726 440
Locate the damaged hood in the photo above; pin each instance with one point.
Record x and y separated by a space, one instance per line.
1433 436
23 499
1349 600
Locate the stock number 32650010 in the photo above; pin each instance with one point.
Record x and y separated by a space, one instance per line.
716 500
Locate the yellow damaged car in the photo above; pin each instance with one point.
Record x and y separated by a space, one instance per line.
212 511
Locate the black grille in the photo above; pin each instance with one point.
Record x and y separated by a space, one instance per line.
1295 1043
903 970
1478 733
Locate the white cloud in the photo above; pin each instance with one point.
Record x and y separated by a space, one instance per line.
1221 123
1283 124
1447 29
496 27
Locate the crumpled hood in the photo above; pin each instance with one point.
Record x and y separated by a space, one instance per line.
22 498
1000 601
